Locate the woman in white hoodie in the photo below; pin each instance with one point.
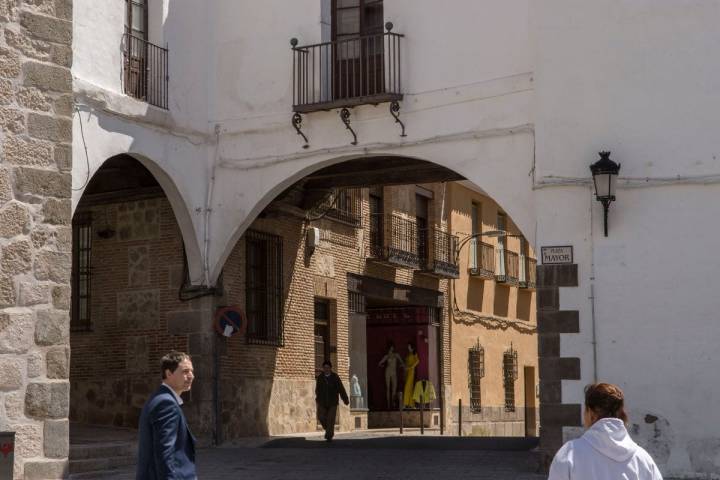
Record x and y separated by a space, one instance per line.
605 451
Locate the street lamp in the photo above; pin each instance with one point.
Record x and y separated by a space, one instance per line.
605 173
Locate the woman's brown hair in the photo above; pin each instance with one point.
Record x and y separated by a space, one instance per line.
606 401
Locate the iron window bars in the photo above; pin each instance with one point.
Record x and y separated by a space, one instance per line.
510 374
347 207
476 371
80 320
264 288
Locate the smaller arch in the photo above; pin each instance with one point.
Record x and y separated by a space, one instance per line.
171 192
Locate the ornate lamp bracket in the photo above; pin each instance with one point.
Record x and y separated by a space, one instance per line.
297 124
345 117
395 112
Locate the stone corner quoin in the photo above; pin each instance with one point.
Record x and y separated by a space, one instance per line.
35 232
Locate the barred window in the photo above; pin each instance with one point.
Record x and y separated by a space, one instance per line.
264 288
81 253
510 374
347 206
476 371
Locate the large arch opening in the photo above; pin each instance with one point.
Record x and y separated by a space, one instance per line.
355 261
131 303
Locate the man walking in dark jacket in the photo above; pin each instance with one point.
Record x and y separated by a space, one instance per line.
166 448
327 388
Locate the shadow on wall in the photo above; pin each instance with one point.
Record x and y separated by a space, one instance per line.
267 382
127 236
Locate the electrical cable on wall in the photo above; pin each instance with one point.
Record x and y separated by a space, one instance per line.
87 157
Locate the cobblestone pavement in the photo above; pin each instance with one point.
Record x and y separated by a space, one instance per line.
356 458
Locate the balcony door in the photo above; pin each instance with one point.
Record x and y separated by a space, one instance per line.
136 21
377 226
358 60
421 220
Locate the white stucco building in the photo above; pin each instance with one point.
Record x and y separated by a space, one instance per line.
516 96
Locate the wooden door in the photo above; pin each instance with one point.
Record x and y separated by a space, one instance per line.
136 78
359 45
530 405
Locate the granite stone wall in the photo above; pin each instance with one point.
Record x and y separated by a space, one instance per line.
36 106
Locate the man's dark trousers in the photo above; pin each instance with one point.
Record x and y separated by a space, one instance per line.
326 417
166 447
327 390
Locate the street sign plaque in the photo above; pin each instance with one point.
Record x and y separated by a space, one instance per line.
557 255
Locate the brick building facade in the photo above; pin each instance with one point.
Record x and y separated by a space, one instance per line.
304 302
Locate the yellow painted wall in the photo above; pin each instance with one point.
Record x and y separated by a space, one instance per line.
495 315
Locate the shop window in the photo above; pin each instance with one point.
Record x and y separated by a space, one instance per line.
81 256
476 371
510 374
264 288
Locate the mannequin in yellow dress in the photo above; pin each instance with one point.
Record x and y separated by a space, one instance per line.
411 361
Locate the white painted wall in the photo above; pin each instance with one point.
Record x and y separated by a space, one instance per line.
231 66
505 92
638 78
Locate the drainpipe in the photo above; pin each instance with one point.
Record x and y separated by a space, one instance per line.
592 293
217 436
208 206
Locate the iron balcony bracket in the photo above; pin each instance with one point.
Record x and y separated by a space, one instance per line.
345 117
297 124
395 112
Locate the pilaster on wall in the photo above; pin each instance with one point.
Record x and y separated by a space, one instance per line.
554 415
36 106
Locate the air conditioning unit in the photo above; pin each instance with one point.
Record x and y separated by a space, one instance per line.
313 237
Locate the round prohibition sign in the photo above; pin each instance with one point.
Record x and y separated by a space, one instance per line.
232 317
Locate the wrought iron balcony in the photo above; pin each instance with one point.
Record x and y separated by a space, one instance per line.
528 272
347 207
508 268
395 240
145 71
440 256
482 259
346 73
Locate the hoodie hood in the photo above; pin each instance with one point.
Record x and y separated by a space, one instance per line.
610 437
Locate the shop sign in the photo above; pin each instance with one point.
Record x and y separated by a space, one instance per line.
558 255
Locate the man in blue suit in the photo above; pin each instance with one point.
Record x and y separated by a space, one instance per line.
166 447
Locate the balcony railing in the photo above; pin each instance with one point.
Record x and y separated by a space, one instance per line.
440 258
482 259
528 272
508 269
347 207
395 240
346 73
145 71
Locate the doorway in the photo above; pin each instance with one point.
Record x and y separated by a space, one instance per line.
530 407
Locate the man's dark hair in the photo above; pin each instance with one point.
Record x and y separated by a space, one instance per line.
327 362
171 361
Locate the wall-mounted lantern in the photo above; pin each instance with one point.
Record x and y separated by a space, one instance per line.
605 173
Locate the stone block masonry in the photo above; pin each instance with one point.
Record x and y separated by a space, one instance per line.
35 189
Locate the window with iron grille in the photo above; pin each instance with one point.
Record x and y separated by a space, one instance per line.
347 206
264 288
476 371
510 374
82 249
